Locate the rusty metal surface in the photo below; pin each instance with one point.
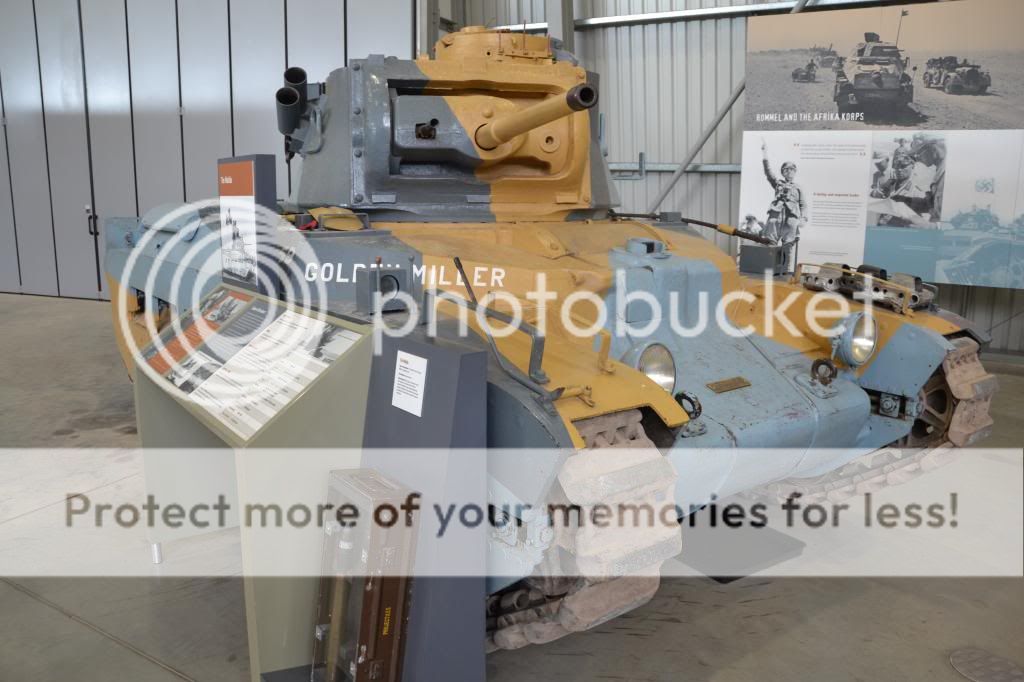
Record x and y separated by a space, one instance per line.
726 385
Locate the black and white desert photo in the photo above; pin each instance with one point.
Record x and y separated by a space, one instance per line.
944 66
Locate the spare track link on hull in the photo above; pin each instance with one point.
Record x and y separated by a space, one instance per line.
973 389
608 571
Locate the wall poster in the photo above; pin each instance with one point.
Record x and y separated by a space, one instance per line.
892 136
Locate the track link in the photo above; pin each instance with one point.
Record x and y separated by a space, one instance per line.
973 389
594 574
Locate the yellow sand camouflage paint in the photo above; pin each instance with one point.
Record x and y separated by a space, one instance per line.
544 174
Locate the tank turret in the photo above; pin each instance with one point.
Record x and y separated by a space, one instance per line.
499 125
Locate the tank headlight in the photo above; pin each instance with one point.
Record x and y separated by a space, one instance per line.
657 363
857 343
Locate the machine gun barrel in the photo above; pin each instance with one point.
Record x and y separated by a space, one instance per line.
742 234
672 217
506 127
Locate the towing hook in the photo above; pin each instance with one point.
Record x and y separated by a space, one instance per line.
823 370
685 398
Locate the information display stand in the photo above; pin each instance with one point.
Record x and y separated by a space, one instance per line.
432 393
255 374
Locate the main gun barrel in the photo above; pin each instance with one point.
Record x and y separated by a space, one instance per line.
506 127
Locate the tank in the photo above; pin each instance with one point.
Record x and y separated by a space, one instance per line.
956 76
873 79
481 171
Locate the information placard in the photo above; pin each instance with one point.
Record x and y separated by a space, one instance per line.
890 136
247 358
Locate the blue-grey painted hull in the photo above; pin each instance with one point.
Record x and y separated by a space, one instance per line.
157 259
781 425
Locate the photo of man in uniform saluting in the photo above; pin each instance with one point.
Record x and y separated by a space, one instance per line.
787 212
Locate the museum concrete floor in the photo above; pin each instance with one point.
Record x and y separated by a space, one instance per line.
62 385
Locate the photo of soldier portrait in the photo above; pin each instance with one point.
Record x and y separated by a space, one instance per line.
929 150
882 174
787 212
894 173
908 181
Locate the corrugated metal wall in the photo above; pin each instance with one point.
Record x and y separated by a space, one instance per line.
661 84
116 106
503 12
1000 311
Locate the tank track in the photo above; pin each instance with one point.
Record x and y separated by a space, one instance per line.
542 609
973 388
592 574
959 419
867 474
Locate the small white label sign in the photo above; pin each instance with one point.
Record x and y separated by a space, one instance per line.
410 380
